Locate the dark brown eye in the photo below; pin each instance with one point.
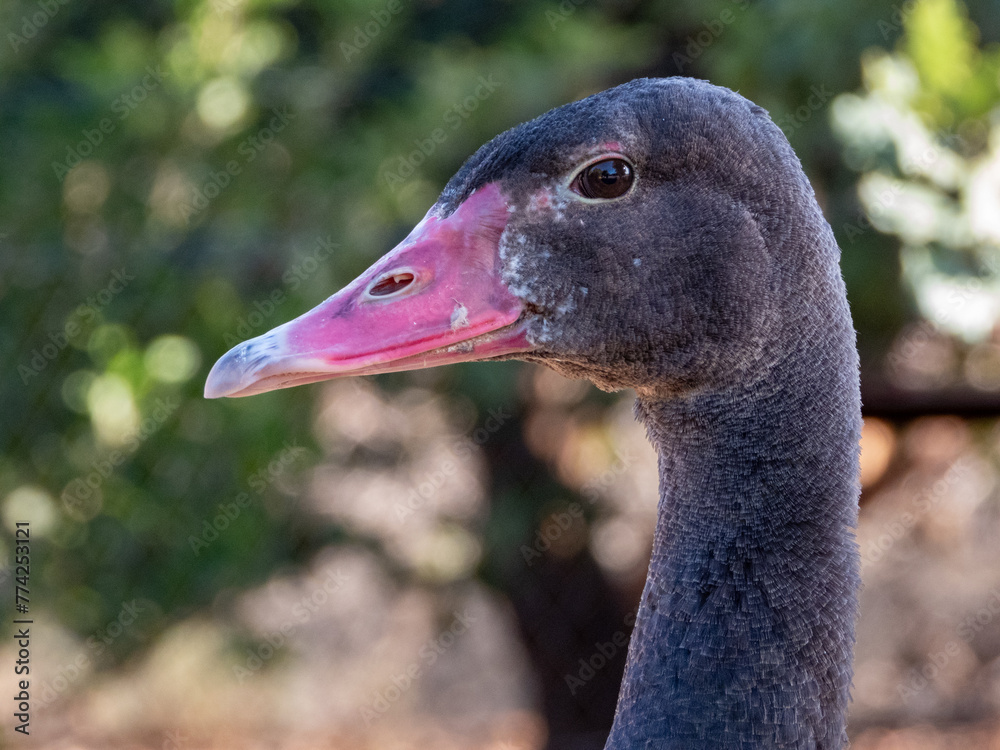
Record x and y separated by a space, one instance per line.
607 179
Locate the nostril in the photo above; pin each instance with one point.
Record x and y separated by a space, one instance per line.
391 283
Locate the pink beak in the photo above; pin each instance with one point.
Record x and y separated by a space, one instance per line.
435 299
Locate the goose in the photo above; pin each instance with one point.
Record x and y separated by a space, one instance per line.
660 236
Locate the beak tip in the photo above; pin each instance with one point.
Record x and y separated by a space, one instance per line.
239 371
220 382
213 391
230 374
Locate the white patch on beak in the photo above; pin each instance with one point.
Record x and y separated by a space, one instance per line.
459 316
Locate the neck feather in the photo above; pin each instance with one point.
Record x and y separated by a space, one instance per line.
745 631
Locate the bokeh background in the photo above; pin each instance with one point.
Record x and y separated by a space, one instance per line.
444 558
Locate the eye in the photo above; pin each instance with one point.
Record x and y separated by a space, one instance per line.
604 180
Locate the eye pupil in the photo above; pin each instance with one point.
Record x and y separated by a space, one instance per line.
610 178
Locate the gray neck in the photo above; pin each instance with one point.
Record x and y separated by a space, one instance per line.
745 632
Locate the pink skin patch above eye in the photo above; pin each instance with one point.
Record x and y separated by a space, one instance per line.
435 299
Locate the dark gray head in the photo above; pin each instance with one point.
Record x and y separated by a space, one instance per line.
674 284
669 280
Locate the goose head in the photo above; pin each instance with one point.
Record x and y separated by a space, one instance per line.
628 238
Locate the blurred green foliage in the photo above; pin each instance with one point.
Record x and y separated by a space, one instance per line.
178 176
924 135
